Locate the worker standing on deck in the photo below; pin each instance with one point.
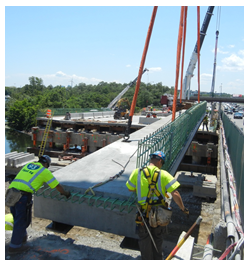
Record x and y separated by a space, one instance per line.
19 197
141 181
205 122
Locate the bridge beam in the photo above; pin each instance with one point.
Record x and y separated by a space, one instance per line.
217 99
108 206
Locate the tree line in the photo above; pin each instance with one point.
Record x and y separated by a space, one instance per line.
23 103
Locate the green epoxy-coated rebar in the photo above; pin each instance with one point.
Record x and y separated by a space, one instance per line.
92 200
171 137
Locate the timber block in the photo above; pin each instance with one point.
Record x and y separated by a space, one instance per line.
185 252
204 189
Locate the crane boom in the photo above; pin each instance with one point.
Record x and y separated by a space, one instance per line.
118 97
193 59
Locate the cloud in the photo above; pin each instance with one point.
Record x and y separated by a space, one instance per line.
232 63
241 52
231 46
206 78
155 69
128 65
60 74
220 51
60 78
237 85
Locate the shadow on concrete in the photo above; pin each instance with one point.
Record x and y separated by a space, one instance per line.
53 247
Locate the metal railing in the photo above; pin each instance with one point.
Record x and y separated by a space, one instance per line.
171 137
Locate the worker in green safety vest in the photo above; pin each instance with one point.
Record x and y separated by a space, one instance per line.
151 192
19 197
205 122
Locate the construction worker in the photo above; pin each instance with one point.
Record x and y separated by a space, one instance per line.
31 177
138 182
205 122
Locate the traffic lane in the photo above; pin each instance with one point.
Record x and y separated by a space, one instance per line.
238 122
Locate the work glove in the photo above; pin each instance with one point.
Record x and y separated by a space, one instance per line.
67 194
186 211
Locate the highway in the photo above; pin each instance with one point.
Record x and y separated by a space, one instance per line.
238 122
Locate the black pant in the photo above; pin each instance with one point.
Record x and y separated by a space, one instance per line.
147 249
204 124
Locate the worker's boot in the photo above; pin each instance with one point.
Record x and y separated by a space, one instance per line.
22 249
25 239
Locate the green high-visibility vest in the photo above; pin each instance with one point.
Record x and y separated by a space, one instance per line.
32 176
138 181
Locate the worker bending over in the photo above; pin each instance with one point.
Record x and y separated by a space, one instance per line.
19 197
151 185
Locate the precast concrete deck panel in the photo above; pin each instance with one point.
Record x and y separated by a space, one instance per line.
93 169
99 166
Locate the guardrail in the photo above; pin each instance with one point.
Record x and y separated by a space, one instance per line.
171 137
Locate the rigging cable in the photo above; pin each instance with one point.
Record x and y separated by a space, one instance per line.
133 104
183 48
179 47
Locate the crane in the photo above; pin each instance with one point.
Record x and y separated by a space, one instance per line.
113 103
193 59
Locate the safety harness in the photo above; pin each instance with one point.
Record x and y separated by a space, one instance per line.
152 181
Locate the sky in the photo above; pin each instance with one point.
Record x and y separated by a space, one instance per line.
68 45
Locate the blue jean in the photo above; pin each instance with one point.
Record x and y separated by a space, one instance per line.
22 219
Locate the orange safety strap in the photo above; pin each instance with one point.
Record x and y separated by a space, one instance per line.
179 46
183 48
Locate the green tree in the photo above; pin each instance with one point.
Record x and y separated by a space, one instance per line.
21 115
